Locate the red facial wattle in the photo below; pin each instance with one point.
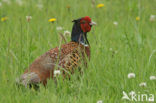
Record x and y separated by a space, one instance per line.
84 23
85 27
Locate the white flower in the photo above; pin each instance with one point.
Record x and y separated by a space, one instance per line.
152 18
0 4
66 32
99 101
152 77
115 23
57 72
59 28
19 2
39 5
28 18
131 75
143 84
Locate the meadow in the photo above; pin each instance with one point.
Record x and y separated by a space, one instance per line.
122 42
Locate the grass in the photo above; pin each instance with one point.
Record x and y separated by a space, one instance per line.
115 50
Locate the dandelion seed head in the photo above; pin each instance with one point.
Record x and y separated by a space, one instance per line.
28 18
99 101
143 84
131 75
152 77
66 33
152 18
115 23
57 72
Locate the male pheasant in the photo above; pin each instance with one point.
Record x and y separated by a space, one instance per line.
66 58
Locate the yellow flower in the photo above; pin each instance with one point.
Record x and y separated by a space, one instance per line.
52 20
137 18
4 19
100 5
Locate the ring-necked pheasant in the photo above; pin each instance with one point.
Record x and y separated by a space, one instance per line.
66 58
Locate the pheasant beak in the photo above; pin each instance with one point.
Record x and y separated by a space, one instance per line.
92 23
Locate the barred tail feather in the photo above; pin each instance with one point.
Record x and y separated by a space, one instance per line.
28 79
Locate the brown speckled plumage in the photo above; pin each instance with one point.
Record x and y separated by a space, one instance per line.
67 57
